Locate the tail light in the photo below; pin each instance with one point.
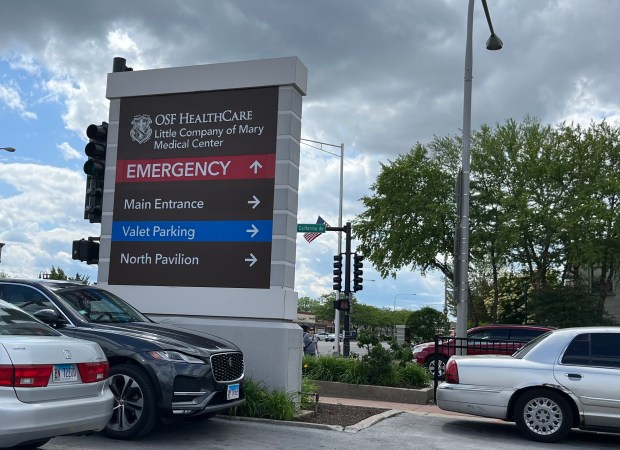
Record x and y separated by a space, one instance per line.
452 372
39 375
25 375
93 372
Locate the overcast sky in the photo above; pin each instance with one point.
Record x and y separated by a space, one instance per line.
382 75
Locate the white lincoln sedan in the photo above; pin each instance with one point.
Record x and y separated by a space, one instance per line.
50 384
566 378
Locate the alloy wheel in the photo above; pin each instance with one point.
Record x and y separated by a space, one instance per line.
543 416
128 402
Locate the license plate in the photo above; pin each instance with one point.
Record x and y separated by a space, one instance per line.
64 373
232 392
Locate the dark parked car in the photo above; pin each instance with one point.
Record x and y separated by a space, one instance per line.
509 339
156 371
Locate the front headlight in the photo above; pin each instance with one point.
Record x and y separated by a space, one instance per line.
174 356
417 348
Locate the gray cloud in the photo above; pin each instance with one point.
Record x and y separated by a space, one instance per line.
382 76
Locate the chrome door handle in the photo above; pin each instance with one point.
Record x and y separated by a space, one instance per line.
574 376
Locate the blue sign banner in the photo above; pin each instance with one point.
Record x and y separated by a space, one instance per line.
193 231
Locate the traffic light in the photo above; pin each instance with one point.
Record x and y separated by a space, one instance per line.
342 305
95 171
357 272
337 273
86 250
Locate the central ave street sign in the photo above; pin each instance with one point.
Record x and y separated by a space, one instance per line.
311 228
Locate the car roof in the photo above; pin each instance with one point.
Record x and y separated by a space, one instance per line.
516 326
42 282
599 329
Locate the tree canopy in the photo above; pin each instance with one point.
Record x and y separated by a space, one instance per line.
543 205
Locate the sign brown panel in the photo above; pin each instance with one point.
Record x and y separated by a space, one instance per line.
208 264
221 200
194 191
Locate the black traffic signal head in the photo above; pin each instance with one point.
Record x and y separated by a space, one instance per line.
358 272
341 305
337 273
86 251
95 171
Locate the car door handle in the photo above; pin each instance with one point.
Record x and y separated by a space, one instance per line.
574 376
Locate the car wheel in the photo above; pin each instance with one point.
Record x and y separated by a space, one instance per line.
437 363
134 413
543 415
33 445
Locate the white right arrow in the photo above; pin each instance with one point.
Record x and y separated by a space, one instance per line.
252 230
252 259
254 202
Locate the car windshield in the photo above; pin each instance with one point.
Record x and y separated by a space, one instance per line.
99 306
14 321
520 354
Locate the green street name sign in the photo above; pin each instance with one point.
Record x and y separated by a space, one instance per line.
311 228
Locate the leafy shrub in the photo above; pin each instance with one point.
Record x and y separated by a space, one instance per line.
378 367
261 402
308 389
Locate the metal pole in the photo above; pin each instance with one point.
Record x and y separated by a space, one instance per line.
346 346
463 253
337 311
341 146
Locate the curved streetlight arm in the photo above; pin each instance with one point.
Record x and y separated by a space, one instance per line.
8 149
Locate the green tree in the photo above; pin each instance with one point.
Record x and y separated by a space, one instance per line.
579 307
307 304
59 274
544 207
426 322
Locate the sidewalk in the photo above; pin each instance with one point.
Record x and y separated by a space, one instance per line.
406 407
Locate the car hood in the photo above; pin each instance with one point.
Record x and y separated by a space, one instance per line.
165 337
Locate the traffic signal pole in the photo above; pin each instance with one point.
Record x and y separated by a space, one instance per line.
346 345
346 349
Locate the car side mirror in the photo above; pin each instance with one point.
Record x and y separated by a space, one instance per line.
49 316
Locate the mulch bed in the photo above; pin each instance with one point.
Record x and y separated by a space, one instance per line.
337 414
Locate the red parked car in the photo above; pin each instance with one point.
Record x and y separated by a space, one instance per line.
488 339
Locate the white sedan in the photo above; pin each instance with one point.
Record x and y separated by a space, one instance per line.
50 384
567 378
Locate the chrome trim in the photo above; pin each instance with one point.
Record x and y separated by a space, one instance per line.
189 393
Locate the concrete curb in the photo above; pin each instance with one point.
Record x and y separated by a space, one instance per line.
422 396
291 423
371 421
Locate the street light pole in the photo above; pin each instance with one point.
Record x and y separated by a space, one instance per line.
341 146
462 283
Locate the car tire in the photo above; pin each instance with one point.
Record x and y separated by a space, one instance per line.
33 445
543 415
434 362
134 413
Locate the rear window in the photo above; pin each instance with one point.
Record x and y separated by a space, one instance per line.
14 322
530 345
524 334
